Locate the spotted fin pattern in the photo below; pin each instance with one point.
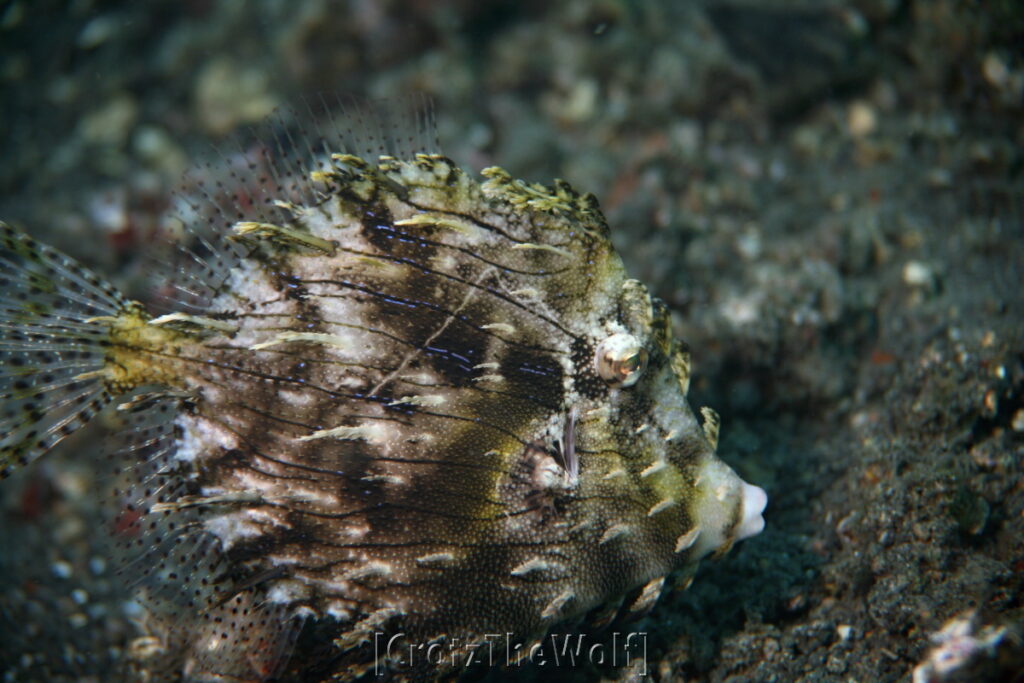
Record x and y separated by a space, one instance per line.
54 328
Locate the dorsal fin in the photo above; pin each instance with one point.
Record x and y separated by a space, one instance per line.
260 172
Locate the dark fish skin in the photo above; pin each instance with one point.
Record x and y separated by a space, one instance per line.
406 405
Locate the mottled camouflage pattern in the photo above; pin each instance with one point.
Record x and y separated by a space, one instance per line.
389 420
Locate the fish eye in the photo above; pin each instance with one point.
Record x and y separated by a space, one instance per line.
620 360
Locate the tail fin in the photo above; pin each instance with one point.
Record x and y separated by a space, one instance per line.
54 324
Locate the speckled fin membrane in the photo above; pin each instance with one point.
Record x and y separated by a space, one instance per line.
260 175
205 619
52 339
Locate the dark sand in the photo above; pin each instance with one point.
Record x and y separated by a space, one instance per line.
828 194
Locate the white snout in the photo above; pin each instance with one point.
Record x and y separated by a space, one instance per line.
754 502
725 508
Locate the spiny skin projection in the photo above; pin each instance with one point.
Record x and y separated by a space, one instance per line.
416 407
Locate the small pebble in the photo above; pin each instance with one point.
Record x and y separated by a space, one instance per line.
132 609
98 31
112 122
156 147
748 243
844 631
860 119
917 274
581 101
995 71
228 94
109 210
79 596
740 310
991 403
61 569
687 136
1018 420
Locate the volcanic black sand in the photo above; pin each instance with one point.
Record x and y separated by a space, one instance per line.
827 194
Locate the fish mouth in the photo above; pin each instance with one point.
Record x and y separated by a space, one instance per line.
726 509
754 500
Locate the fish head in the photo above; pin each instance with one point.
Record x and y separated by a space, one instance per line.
649 467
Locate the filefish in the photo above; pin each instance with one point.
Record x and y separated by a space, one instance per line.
390 400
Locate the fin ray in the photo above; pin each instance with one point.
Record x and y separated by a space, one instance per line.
51 335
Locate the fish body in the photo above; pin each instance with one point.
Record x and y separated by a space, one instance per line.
401 403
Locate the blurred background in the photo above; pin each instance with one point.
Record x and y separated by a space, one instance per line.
828 194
